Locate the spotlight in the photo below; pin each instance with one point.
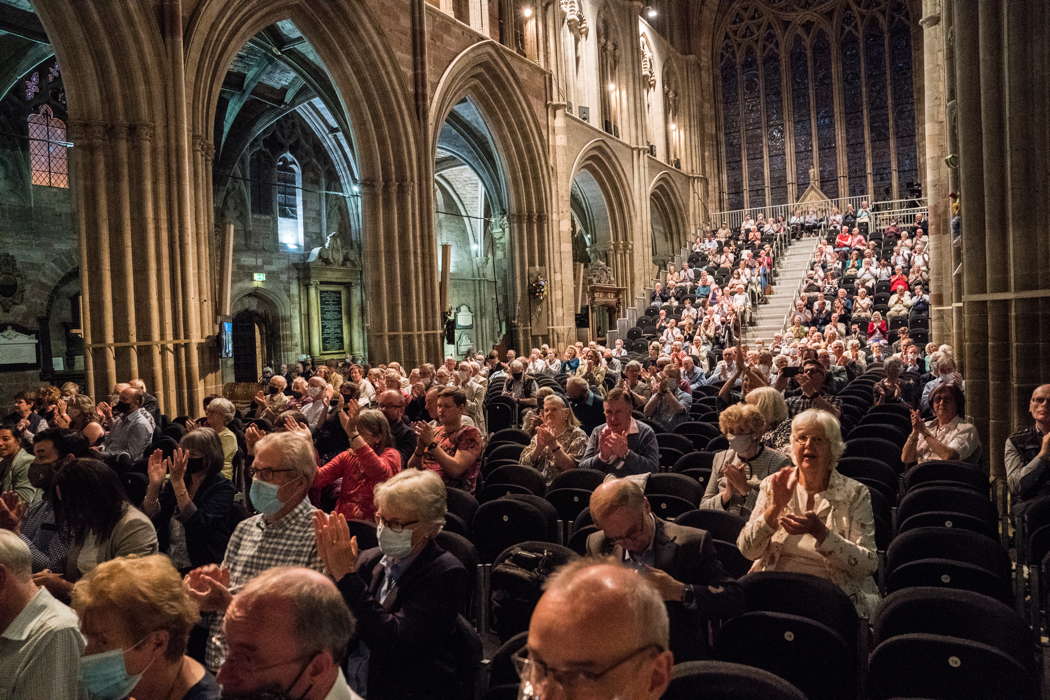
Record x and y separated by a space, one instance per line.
651 12
526 12
611 87
673 126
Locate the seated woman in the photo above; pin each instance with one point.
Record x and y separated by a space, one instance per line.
558 442
533 415
570 363
862 306
736 472
771 404
877 328
890 389
370 460
899 303
91 505
136 618
191 510
78 413
219 413
843 240
853 265
405 595
812 520
946 436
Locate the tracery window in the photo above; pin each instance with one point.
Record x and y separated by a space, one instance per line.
802 80
47 149
289 203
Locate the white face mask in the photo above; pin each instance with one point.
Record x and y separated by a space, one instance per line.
742 444
396 545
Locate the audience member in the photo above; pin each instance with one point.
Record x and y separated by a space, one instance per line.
405 595
621 445
136 619
679 561
1027 452
736 472
946 436
558 442
14 465
586 405
598 631
810 519
287 631
453 449
39 639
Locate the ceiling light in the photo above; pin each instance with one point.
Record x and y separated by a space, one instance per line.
611 87
526 12
650 12
674 127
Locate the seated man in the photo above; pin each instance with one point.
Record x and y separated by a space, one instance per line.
669 404
621 445
679 561
1027 458
287 632
453 449
132 427
40 642
812 382
580 637
586 405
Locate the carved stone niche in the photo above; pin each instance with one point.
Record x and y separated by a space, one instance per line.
648 60
12 283
575 19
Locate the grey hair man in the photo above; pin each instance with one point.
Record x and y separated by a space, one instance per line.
282 534
287 631
39 636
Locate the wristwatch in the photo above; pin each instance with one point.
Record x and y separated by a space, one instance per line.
688 595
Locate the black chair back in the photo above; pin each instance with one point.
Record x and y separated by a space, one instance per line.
722 680
721 524
588 479
503 522
568 502
518 474
675 485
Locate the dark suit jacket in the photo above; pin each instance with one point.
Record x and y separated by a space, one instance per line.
412 638
688 555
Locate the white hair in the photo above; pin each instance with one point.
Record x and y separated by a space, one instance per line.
827 423
297 452
224 406
15 556
420 491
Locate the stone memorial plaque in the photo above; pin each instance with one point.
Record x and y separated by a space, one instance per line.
332 332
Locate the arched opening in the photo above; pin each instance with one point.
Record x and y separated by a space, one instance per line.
471 206
256 337
667 222
286 148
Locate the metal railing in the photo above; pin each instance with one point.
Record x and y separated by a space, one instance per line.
735 217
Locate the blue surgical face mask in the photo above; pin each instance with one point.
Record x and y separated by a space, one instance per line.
264 497
105 675
396 545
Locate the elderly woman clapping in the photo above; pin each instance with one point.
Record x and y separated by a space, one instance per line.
738 471
405 594
558 443
810 519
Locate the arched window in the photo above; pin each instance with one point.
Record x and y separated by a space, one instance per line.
47 149
289 203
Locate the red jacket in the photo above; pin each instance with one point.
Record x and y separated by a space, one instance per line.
898 282
360 471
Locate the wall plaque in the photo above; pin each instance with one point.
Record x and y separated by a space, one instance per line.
332 330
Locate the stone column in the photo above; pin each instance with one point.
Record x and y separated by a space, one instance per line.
935 103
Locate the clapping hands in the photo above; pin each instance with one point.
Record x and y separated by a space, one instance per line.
335 546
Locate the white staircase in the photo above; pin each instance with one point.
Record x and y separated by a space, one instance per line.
791 269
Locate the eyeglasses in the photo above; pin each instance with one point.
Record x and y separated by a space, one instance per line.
266 473
393 525
535 674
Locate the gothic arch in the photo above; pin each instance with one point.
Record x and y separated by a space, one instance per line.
373 94
667 211
601 162
482 73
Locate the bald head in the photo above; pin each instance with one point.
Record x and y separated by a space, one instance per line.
597 615
614 494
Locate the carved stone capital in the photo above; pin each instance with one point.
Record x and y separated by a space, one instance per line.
142 132
119 131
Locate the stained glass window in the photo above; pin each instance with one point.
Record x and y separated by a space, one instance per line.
289 203
774 125
903 100
731 123
48 158
753 130
800 104
823 90
878 109
853 108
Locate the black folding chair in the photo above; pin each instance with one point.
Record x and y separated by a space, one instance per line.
678 442
948 558
588 479
669 507
518 474
947 506
675 485
722 680
721 524
877 448
503 522
946 473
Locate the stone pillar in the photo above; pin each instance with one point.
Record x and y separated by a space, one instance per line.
941 296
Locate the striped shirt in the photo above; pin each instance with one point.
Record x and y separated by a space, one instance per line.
40 651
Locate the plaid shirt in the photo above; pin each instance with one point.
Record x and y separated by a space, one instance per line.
256 546
47 546
801 402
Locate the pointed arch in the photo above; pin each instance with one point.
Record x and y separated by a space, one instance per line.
667 214
600 160
482 74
